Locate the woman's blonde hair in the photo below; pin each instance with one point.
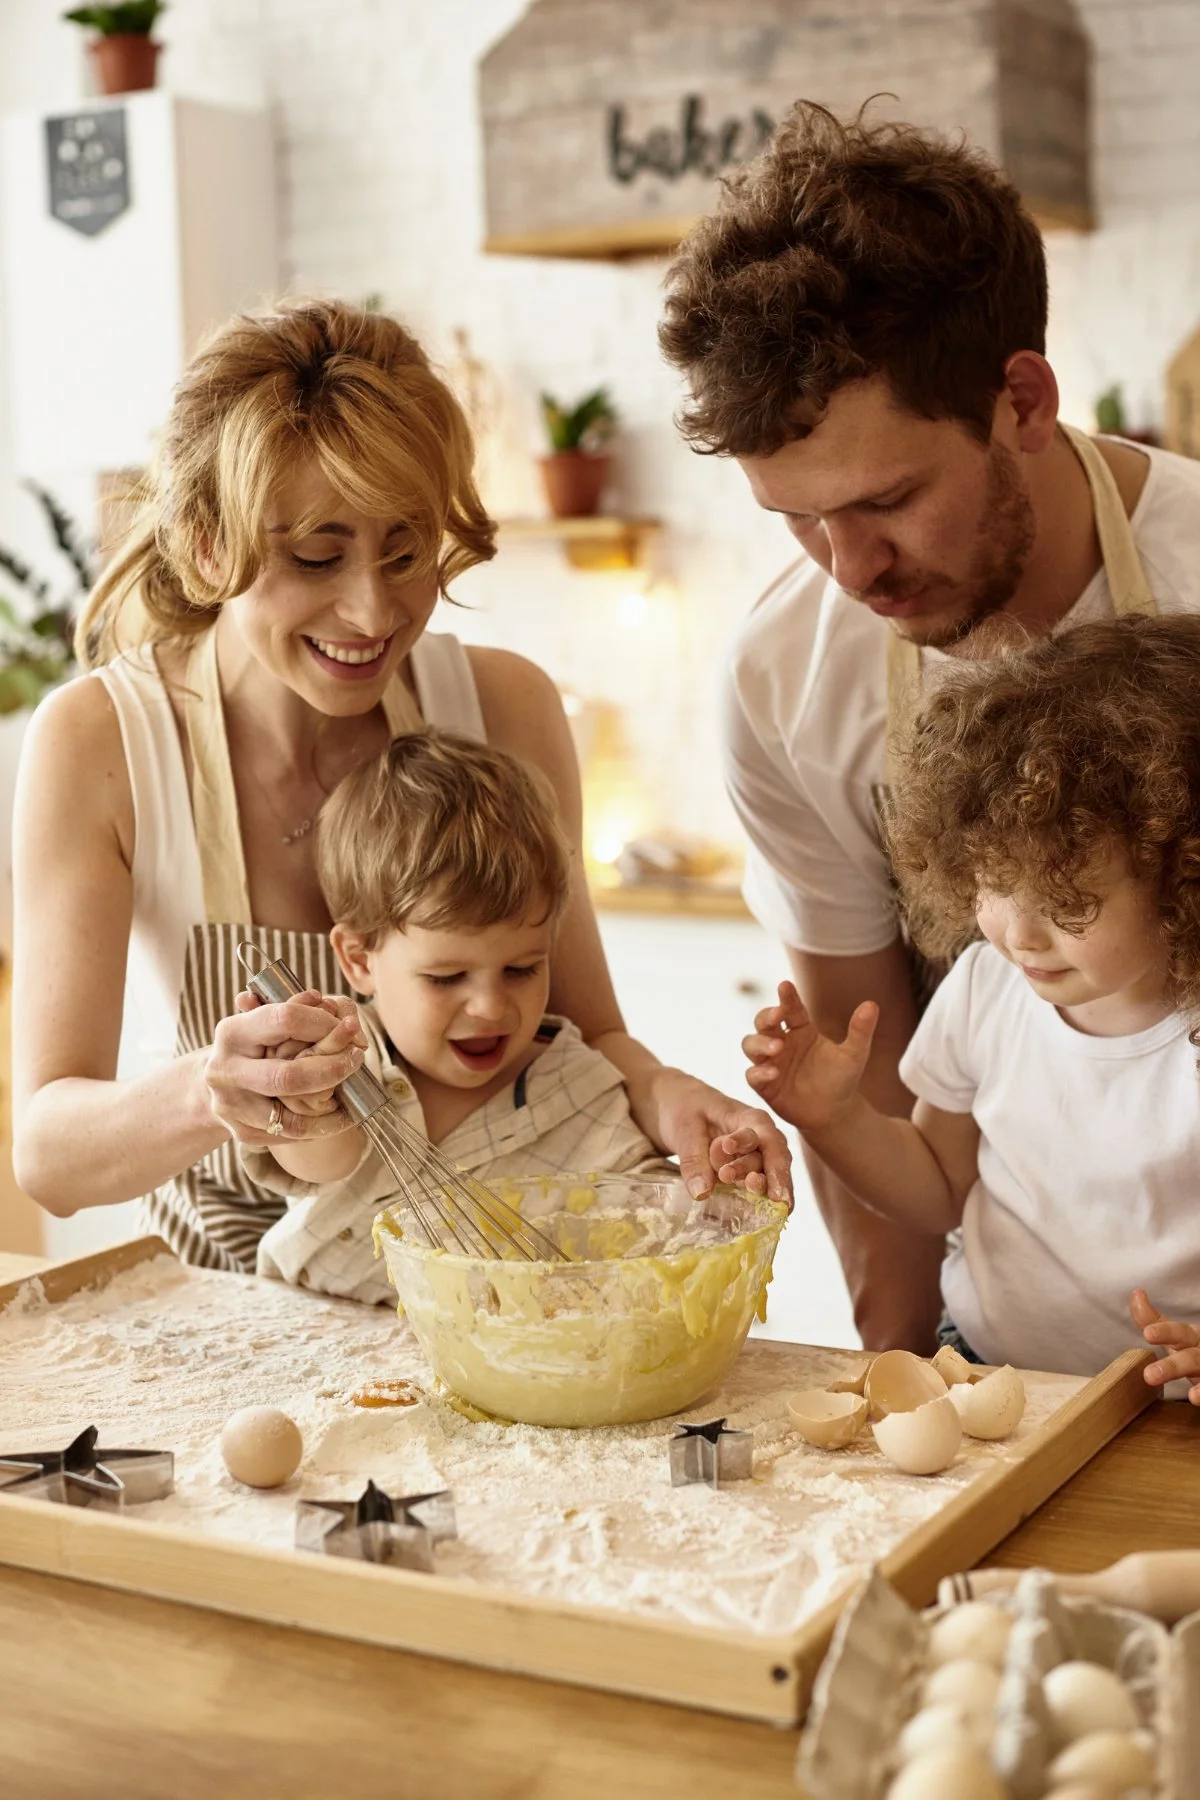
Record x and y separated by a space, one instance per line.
441 831
315 381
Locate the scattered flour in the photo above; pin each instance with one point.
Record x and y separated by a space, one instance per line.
163 1354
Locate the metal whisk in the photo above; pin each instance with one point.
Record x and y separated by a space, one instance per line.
453 1209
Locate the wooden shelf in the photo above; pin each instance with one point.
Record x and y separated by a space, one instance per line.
697 900
626 237
601 541
662 236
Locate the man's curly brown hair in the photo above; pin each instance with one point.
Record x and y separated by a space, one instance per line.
845 251
1025 773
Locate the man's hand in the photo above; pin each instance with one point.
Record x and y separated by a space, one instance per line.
804 1077
1182 1342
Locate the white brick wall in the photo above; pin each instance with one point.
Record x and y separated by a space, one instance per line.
374 106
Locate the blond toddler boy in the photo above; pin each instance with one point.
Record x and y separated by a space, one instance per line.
446 871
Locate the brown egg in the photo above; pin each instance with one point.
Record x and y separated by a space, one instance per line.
261 1446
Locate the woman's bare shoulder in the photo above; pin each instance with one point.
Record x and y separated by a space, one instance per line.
523 714
80 713
74 747
513 692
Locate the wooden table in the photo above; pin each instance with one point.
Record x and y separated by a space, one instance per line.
103 1693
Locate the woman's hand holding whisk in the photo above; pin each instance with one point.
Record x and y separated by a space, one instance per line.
258 1075
332 1047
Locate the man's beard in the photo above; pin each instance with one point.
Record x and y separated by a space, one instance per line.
1003 542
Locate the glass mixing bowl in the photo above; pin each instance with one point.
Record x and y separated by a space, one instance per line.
645 1321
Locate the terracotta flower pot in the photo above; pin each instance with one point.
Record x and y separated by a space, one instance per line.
124 61
574 481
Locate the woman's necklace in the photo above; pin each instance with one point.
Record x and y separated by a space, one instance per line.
289 835
294 834
301 830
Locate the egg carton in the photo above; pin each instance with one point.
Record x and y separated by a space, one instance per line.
869 1685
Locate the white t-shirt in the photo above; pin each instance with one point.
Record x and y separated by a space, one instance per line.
1089 1169
805 721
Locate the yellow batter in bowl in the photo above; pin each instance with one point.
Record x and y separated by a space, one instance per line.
643 1323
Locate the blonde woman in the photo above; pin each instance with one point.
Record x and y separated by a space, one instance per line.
262 634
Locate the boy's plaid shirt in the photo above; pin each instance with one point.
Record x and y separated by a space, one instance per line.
568 1112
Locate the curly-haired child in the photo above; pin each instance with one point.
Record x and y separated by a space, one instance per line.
1051 802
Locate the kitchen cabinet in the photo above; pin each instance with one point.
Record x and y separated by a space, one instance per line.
131 227
689 988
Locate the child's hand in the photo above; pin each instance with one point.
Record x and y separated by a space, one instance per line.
1182 1341
345 1030
804 1077
738 1158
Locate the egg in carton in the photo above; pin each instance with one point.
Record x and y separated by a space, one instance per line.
1024 1696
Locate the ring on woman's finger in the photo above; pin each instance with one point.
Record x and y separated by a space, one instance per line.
275 1122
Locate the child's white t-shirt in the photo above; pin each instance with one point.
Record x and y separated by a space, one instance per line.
1089 1169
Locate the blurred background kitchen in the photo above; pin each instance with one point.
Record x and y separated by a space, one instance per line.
509 178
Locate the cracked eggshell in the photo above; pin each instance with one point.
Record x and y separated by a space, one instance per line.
975 1629
953 1368
991 1408
898 1381
1111 1759
947 1775
830 1420
854 1380
1082 1697
921 1442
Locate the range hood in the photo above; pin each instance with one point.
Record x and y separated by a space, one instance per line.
606 123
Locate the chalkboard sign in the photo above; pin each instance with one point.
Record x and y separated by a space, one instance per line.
88 168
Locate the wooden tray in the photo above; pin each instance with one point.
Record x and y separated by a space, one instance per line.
750 1675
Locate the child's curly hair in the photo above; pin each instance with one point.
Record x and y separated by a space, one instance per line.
1025 772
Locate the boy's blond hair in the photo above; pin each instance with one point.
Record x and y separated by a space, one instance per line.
439 831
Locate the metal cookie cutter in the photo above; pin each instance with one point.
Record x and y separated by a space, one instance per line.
710 1453
378 1527
84 1475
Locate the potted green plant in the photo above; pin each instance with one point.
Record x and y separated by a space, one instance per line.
37 628
576 471
124 55
1111 420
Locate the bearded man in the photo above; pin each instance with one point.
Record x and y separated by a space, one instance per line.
862 325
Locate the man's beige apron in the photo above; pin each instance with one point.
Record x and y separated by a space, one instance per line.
1130 594
213 1214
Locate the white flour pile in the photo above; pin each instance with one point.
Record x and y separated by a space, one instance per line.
161 1356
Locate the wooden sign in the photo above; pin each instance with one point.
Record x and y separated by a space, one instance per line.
608 123
88 168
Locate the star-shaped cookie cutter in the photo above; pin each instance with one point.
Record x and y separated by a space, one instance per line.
378 1527
85 1475
710 1453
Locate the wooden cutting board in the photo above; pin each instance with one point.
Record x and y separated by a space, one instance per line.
751 1675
